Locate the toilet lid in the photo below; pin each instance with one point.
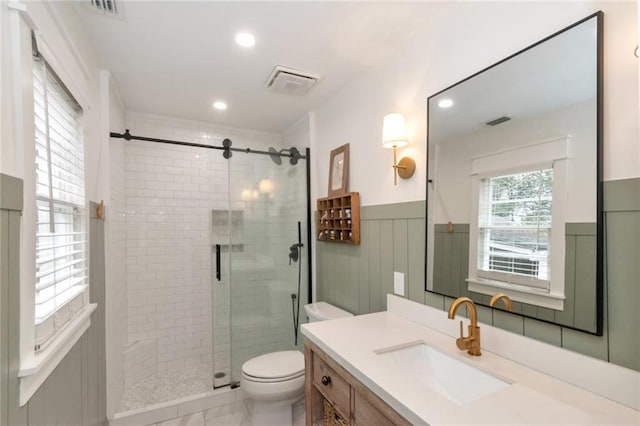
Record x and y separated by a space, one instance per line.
275 365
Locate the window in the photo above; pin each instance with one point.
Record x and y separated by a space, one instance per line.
61 235
54 294
514 228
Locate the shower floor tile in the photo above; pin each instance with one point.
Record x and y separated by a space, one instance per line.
168 385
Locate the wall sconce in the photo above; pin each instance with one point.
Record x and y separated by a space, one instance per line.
394 136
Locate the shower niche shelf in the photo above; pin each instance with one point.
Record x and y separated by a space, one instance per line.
338 219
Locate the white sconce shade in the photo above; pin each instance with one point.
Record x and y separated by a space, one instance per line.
394 135
393 131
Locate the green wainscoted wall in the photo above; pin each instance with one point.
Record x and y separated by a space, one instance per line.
75 392
357 278
451 260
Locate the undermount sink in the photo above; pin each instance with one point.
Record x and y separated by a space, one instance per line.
454 379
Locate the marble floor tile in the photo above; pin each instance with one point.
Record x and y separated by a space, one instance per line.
172 422
232 419
196 419
299 414
234 414
225 410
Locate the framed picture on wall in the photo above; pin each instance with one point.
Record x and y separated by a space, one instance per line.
339 171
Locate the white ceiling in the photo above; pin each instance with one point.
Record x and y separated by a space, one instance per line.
175 58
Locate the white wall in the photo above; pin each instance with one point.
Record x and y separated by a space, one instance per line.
298 134
5 155
116 247
461 39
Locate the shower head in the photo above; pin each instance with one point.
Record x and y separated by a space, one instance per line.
295 156
275 156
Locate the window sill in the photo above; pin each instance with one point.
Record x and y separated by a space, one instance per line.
517 293
39 366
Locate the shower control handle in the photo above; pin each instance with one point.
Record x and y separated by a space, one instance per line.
294 254
326 380
218 262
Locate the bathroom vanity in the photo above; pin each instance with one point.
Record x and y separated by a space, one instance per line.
402 367
334 396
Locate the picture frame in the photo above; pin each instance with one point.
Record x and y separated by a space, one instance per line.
339 171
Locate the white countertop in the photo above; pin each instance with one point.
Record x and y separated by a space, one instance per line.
532 398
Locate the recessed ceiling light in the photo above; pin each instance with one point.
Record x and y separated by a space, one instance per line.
220 105
445 103
245 39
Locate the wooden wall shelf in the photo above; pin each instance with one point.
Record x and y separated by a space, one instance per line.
338 219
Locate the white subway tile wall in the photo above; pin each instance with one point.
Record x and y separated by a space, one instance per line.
140 362
174 200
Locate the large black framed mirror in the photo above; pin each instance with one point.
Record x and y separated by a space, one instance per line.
514 197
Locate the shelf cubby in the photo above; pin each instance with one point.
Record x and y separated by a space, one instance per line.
338 219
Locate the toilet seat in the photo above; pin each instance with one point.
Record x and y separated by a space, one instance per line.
271 380
274 367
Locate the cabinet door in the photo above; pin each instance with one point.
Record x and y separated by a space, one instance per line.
366 414
370 410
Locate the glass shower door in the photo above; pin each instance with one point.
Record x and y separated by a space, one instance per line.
268 201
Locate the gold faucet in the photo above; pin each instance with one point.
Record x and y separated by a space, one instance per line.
472 342
505 299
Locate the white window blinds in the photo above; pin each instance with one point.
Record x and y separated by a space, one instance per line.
514 228
61 234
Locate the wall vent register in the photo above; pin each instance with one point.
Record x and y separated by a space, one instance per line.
105 6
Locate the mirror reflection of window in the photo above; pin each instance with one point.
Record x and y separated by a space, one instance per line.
514 228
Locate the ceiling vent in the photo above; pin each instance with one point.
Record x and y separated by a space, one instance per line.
289 81
105 6
498 120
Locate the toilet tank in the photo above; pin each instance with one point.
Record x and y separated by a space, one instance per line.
321 311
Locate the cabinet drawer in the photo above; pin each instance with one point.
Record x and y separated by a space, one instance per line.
332 385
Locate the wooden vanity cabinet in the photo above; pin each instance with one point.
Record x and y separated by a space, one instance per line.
335 397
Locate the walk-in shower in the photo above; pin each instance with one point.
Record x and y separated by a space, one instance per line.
208 230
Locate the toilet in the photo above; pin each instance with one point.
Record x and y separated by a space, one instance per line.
275 381
322 311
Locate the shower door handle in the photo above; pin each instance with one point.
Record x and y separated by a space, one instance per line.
218 262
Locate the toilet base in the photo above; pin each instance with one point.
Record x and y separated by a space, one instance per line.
267 413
